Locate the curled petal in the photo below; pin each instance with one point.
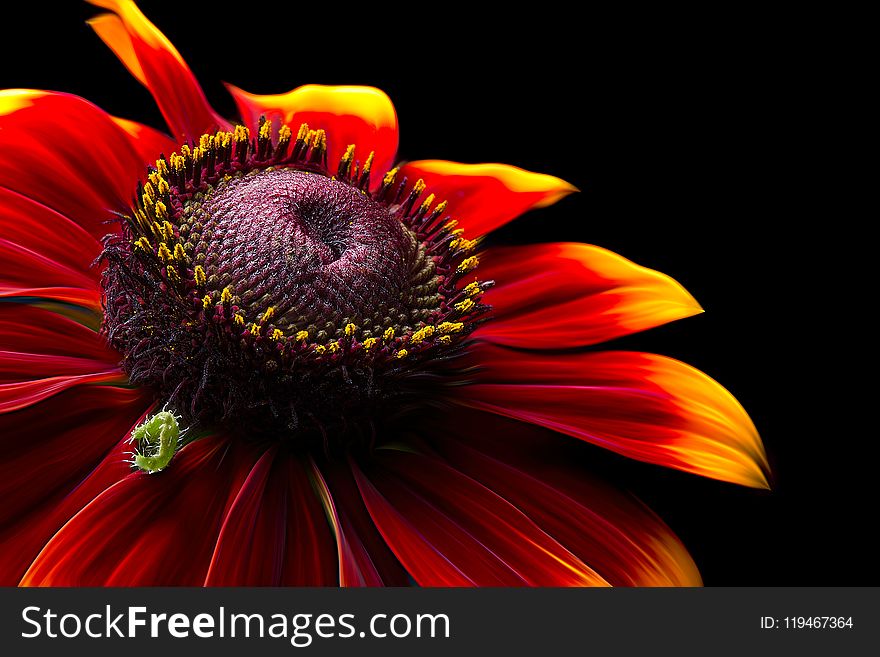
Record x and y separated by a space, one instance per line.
57 457
570 295
449 530
275 533
483 197
363 116
150 530
644 406
155 62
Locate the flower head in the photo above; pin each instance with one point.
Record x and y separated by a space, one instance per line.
297 358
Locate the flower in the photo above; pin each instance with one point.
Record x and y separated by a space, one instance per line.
292 362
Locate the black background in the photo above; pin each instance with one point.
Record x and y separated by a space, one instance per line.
684 133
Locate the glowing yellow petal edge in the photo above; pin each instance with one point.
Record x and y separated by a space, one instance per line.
12 100
658 298
515 179
368 103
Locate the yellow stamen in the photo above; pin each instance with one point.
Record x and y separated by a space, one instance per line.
199 275
179 253
303 132
266 130
350 329
472 289
419 187
163 187
464 306
226 295
164 253
369 343
452 223
390 176
427 203
333 347
172 274
277 334
445 339
302 335
238 318
369 163
320 349
421 334
468 263
450 327
466 245
388 336
441 207
269 314
162 167
241 134
206 300
401 354
185 152
254 329
283 134
144 244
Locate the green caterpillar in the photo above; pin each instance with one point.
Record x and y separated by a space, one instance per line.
157 442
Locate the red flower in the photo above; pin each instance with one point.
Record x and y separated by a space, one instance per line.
311 357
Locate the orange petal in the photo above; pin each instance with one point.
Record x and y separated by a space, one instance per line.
570 295
483 197
363 116
647 407
155 62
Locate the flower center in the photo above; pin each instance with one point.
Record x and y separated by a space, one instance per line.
251 288
317 251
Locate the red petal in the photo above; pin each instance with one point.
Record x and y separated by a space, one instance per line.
570 295
63 152
150 530
147 141
363 116
275 533
28 329
644 406
157 65
483 197
364 558
449 530
48 472
41 230
618 537
25 273
15 396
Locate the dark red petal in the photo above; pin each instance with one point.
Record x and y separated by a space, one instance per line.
570 295
23 271
63 152
150 530
21 394
363 116
364 557
617 536
449 530
157 65
644 406
275 533
52 465
483 197
40 230
29 329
